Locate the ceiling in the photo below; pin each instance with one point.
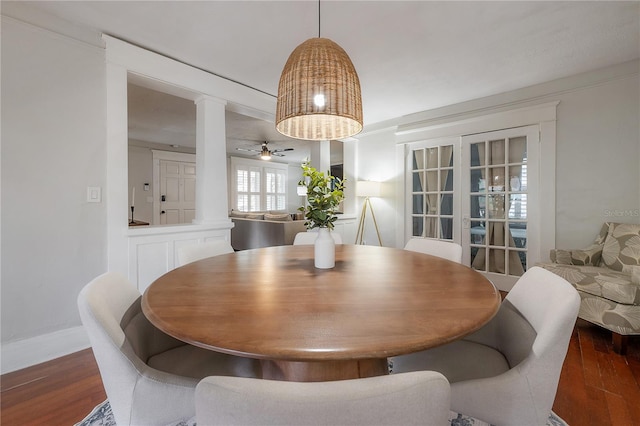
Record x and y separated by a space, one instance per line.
411 56
162 118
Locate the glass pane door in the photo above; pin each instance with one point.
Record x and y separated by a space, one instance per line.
432 188
499 183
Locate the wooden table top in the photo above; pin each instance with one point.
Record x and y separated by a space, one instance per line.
272 303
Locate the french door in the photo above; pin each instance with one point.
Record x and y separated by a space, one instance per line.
432 190
480 191
500 203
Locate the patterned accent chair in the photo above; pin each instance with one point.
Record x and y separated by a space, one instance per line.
607 277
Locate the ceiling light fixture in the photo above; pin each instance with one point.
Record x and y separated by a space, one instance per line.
319 94
265 154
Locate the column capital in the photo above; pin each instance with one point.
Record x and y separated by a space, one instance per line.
203 98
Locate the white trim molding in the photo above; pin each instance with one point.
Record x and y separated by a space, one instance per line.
24 353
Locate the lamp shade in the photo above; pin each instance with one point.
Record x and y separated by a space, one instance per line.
265 154
319 94
367 188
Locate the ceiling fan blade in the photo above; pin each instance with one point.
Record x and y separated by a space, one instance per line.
282 150
275 154
248 150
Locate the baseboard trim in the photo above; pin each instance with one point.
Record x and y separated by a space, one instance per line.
27 352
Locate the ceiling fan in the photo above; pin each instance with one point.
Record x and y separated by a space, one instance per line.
264 151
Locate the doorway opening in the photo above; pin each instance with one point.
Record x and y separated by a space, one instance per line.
161 156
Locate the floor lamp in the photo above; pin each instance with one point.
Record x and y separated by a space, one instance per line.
367 189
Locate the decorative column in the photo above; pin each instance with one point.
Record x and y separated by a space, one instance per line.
349 168
211 162
321 155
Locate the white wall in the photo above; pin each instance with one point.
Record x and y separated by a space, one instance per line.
294 174
598 160
376 155
597 141
53 148
141 172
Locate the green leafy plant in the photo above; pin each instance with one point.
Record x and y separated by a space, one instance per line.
324 195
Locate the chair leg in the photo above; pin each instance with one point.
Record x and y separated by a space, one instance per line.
619 343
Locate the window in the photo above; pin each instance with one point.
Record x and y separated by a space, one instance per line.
248 189
258 187
275 189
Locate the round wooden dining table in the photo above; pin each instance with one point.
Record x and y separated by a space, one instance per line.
308 324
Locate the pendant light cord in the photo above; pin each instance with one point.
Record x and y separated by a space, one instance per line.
318 18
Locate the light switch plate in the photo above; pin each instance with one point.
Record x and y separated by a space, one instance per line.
94 194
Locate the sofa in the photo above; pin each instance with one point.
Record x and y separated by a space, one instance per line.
607 277
263 229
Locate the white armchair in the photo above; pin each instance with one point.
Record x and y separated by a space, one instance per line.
507 373
419 398
194 252
444 249
149 377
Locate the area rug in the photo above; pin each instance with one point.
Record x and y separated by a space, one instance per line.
102 416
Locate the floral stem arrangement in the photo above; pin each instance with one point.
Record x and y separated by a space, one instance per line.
324 195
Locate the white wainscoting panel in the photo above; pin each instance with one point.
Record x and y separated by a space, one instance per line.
27 352
153 250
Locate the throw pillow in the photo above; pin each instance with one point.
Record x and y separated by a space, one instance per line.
283 217
622 246
237 213
589 256
563 257
257 216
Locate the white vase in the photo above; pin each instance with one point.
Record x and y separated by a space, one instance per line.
324 250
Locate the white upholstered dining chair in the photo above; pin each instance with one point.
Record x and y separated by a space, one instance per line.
149 377
419 398
194 252
309 238
445 249
507 372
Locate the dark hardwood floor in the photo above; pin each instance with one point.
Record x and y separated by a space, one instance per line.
597 387
58 392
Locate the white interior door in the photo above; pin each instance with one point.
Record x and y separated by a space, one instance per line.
499 177
177 192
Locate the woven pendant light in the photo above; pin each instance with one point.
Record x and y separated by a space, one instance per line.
319 93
